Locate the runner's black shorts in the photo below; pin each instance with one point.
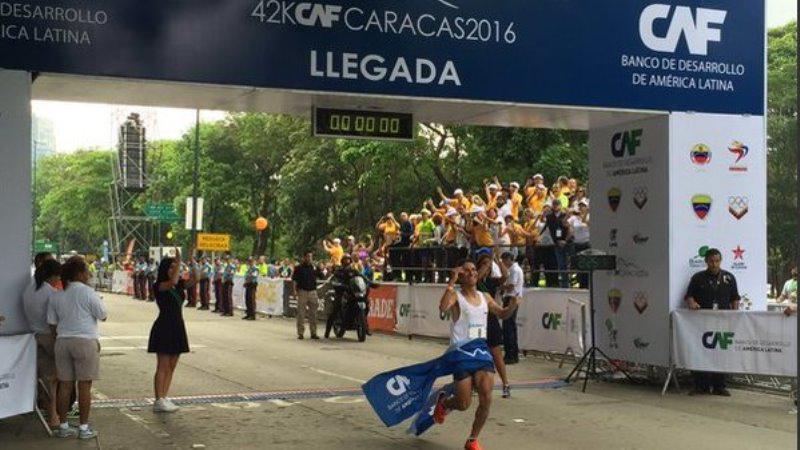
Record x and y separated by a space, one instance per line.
494 333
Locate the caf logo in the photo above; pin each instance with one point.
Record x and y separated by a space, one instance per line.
700 154
738 206
701 204
614 299
640 197
614 197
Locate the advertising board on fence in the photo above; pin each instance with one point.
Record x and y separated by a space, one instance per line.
269 297
122 283
17 374
383 308
753 342
549 320
424 316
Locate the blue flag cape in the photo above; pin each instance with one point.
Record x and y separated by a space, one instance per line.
402 393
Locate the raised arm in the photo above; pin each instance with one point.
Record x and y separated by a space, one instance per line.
499 311
449 298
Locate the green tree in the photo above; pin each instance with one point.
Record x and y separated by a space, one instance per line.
72 204
782 151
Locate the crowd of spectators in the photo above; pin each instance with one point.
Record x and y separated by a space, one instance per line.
541 226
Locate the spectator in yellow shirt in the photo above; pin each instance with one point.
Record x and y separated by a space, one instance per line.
335 251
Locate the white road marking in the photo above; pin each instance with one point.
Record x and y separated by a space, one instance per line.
237 405
137 347
108 338
336 375
127 413
343 400
282 403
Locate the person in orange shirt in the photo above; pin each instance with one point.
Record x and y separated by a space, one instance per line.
536 193
389 228
491 190
517 234
459 198
335 251
515 198
479 230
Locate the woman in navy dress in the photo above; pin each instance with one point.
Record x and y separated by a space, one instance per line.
168 336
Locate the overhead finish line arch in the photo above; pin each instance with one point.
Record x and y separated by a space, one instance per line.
687 55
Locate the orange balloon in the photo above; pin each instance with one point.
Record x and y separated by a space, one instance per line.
261 224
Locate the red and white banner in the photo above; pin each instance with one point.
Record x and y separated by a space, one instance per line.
383 308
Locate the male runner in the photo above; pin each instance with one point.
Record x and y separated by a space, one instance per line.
470 309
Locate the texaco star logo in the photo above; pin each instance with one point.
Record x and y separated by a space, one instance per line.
738 206
640 197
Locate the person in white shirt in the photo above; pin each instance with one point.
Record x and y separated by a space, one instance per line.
73 316
36 298
512 292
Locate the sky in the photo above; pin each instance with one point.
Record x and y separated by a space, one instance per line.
90 125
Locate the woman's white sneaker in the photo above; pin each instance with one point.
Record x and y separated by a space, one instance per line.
164 405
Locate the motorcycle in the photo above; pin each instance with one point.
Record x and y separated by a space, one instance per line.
352 315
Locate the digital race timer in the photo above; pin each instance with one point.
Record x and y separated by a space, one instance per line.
352 124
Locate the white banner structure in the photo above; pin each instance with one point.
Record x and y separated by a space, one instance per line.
269 295
763 343
550 320
424 317
403 309
17 374
120 282
718 187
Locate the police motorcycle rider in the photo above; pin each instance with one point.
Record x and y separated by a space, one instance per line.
341 279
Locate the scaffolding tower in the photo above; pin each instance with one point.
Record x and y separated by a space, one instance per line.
127 227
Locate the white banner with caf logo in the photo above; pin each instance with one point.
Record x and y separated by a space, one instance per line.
17 374
629 190
751 342
551 320
718 187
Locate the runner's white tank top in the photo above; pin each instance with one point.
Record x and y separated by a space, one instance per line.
472 320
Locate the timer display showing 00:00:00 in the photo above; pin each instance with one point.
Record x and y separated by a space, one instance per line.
361 124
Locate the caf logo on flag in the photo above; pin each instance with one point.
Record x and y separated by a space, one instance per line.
614 197
701 154
701 204
738 206
614 299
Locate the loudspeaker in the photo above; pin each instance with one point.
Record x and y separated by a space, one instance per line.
132 154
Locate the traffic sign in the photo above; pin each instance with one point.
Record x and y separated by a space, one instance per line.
43 245
163 212
214 242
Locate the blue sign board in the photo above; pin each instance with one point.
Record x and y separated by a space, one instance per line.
685 55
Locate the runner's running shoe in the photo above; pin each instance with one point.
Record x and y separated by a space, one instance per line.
440 411
473 444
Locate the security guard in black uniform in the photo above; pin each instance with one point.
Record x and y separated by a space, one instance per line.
712 288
